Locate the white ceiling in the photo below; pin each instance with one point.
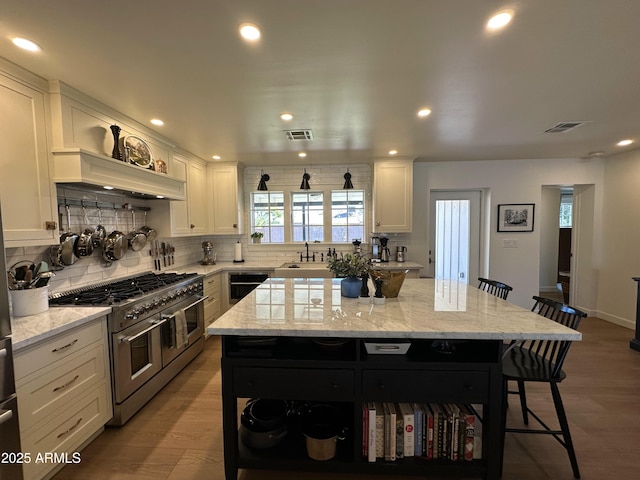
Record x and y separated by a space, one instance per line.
353 71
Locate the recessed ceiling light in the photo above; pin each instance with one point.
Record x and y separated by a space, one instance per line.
425 112
25 44
159 196
624 143
107 187
302 154
286 117
500 20
250 32
216 157
157 121
393 152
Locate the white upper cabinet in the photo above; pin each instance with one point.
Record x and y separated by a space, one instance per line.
28 197
225 198
392 196
184 217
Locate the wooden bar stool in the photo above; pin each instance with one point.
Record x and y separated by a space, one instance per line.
541 361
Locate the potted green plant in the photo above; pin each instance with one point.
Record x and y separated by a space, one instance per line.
256 237
351 267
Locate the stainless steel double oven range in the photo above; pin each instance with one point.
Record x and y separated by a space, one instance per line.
156 327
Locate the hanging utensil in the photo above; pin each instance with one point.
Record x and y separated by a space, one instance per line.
136 239
84 246
100 233
115 245
150 233
68 241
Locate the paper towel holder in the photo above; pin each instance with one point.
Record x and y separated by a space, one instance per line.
238 260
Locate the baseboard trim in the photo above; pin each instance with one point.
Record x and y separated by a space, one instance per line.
623 322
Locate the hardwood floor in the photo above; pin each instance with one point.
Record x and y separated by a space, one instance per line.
178 434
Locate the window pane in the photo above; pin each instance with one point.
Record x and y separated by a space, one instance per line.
307 216
267 215
566 210
347 215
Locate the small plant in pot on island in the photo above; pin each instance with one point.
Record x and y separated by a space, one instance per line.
350 267
256 237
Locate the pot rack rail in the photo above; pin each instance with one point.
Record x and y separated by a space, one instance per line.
103 205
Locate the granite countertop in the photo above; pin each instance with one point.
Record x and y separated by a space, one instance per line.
425 308
35 328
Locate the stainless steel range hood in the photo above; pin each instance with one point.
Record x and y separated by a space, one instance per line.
92 171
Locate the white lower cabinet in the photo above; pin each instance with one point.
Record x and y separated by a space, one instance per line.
64 396
212 306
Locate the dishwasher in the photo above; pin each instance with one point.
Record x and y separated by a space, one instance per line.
242 283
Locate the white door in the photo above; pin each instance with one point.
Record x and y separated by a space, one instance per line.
454 251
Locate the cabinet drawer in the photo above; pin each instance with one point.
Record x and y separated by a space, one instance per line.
51 388
426 385
294 383
67 430
56 348
212 284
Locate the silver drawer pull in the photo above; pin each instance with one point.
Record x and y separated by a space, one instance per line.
70 429
387 347
67 384
59 349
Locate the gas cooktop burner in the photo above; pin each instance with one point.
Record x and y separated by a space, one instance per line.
118 291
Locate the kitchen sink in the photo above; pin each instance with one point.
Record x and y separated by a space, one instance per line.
303 269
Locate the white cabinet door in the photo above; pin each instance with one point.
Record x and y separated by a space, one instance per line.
225 195
185 217
393 196
28 196
196 194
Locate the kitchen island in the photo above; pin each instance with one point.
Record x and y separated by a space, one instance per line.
275 346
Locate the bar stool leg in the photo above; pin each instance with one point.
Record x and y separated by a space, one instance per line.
564 426
523 402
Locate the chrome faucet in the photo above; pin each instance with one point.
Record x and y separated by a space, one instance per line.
306 245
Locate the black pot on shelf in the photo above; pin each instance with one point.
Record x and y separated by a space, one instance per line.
263 415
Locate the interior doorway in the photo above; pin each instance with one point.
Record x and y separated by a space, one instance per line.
454 251
582 282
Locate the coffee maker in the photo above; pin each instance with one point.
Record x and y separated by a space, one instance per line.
384 250
375 249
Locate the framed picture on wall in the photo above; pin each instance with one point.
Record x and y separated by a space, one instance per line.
516 217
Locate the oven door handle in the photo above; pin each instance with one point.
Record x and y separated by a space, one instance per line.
133 338
199 300
166 317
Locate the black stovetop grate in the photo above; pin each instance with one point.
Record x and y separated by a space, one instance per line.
118 291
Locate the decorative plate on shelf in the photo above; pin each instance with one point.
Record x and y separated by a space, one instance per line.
138 152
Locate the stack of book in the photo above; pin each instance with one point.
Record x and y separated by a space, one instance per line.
431 431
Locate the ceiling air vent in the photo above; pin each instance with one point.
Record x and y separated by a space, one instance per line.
564 127
303 134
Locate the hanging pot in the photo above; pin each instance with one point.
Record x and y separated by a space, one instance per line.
66 254
135 238
84 246
150 233
100 233
115 245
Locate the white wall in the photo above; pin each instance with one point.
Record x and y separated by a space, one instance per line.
619 252
514 181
